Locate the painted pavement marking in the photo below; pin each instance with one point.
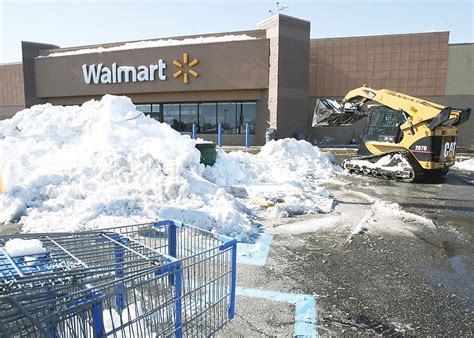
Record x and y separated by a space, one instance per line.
254 253
305 308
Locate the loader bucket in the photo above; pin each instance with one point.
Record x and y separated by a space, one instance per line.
324 109
330 113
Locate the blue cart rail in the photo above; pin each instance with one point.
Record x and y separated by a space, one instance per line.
145 280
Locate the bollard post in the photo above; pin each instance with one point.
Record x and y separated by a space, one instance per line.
219 134
247 135
194 131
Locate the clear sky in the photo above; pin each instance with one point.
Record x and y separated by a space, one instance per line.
74 23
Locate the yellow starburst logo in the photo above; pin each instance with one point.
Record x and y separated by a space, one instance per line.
183 72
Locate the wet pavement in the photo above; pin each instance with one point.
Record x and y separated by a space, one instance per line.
420 282
434 294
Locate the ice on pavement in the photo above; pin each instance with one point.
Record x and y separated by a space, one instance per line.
371 215
385 216
466 165
105 163
155 43
24 247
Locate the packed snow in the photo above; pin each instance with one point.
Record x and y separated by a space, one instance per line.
466 165
392 163
24 247
155 43
105 163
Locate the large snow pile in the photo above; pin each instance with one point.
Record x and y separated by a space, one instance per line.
467 165
104 163
155 43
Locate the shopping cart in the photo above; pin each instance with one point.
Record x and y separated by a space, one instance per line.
146 280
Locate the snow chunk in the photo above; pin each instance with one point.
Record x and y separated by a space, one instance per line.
155 43
397 161
281 180
467 165
24 247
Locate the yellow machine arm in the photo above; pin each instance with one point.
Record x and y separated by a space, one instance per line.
418 110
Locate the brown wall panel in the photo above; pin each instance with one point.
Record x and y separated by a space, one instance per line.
222 66
7 112
205 96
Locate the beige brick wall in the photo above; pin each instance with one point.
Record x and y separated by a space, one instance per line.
460 77
415 64
11 85
288 75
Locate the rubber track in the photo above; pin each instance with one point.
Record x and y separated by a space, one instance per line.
412 173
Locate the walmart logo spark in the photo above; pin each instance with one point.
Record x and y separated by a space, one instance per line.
183 72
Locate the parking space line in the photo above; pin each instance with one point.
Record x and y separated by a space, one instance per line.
305 308
254 253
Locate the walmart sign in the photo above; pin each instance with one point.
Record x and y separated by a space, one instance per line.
100 74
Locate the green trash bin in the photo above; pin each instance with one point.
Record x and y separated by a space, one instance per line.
208 153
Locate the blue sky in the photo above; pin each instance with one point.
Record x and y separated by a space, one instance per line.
72 23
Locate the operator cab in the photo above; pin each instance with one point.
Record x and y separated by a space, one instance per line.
383 125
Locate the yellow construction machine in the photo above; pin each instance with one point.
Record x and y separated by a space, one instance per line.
406 138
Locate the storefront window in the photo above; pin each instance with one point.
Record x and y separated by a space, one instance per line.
248 114
207 118
156 112
227 116
145 108
152 110
171 115
189 115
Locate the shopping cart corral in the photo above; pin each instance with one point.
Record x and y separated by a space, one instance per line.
145 280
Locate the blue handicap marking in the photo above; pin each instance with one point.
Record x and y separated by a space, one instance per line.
305 308
255 253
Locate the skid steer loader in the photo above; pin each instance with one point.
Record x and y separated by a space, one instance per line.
406 138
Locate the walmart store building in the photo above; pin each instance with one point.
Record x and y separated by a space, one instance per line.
268 78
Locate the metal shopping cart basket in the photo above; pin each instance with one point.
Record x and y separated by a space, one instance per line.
146 280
